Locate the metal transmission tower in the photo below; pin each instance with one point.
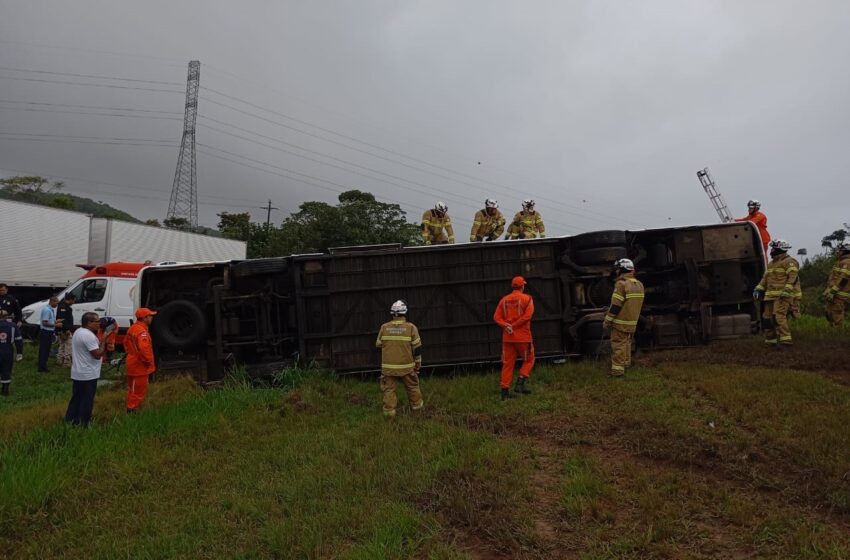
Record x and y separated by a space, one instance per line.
184 193
714 195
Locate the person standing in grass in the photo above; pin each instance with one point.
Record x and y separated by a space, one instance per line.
11 344
87 352
513 314
622 317
140 360
47 332
65 314
401 358
837 292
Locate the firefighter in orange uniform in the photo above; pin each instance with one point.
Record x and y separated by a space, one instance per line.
755 216
140 360
513 315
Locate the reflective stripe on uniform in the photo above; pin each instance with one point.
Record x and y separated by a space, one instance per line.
785 338
402 338
628 323
634 296
618 297
397 366
416 342
616 367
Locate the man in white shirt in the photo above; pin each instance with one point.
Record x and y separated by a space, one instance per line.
86 351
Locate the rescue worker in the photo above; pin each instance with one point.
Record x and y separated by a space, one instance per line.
437 226
527 224
401 357
622 317
10 304
777 288
108 333
140 359
488 223
513 314
65 313
838 286
11 345
755 216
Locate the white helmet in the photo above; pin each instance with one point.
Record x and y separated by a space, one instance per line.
441 207
399 308
780 245
754 204
528 204
625 264
491 203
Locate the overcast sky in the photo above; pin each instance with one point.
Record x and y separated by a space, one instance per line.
601 111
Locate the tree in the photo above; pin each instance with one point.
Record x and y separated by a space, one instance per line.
358 219
235 226
153 222
838 236
176 222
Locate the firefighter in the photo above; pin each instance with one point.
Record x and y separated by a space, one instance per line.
401 357
527 224
140 359
755 216
838 286
513 314
489 223
11 345
622 317
434 222
777 289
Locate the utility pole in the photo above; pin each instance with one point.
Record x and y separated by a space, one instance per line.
268 210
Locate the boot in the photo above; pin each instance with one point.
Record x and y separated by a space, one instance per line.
520 386
506 394
4 389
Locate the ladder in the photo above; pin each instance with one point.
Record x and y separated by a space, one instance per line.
714 195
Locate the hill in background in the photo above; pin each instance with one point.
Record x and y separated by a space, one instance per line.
67 202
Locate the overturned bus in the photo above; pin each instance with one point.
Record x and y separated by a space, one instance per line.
325 309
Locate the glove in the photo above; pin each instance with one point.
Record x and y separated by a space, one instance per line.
606 328
19 357
509 329
757 294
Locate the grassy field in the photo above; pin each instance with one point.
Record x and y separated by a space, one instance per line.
726 451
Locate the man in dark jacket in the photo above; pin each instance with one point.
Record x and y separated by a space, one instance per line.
11 345
10 304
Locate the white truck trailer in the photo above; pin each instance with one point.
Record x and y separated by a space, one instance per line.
42 246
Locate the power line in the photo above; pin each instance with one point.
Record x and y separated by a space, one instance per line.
93 76
66 48
579 212
451 195
128 109
103 143
89 137
84 84
39 110
134 188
